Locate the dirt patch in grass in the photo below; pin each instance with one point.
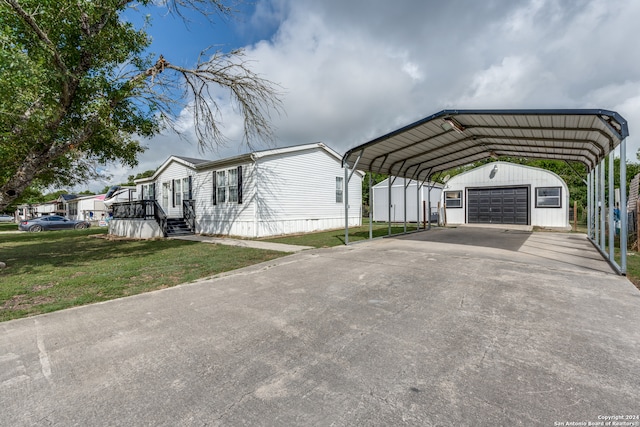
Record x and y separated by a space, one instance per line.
26 302
38 288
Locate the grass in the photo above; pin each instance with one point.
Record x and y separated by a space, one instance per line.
8 226
327 239
52 271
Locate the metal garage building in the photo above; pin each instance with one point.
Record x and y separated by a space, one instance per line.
454 138
507 193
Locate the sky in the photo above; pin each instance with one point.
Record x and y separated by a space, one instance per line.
351 71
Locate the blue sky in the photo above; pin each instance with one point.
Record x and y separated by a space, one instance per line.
354 70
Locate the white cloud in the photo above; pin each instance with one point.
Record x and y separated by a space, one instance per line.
352 71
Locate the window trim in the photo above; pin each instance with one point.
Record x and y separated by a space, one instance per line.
559 197
223 186
459 199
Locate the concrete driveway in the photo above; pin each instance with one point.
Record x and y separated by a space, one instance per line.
428 329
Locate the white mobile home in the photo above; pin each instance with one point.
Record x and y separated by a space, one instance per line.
507 193
416 201
266 193
87 208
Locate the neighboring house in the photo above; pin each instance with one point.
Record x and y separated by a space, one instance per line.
65 205
414 199
507 193
73 207
280 191
28 211
87 208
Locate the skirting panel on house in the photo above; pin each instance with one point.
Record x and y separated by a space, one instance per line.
135 228
272 228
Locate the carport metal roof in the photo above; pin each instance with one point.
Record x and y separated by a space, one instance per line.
454 138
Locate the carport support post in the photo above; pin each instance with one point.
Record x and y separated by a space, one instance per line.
418 187
594 209
589 204
624 229
612 228
602 206
404 200
346 204
389 183
428 212
370 206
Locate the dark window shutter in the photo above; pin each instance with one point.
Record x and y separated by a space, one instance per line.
239 185
153 191
190 187
215 187
173 193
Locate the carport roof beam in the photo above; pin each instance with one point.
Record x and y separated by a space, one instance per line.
585 135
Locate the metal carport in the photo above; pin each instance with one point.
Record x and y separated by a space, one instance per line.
454 138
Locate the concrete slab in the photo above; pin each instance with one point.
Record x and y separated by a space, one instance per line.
280 247
400 331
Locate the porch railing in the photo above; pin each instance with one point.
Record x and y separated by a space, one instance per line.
141 209
189 214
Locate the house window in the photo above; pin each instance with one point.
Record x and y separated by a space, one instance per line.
177 192
227 186
232 175
186 189
339 189
453 199
221 186
548 197
148 191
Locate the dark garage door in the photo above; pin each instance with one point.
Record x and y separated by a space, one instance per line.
498 205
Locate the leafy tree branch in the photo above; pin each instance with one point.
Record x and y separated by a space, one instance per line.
77 88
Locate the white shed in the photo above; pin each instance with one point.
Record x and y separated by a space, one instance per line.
280 191
507 193
414 199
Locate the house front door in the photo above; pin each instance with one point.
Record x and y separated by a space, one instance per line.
166 193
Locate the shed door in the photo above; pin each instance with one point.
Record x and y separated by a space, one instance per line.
498 205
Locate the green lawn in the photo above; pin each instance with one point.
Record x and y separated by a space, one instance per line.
327 239
8 226
51 271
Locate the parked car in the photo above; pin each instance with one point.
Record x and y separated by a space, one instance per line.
51 222
6 218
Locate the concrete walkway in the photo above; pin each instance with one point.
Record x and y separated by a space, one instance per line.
468 327
281 247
